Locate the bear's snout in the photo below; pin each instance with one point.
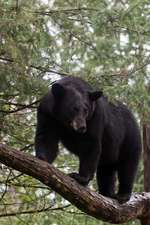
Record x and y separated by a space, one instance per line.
79 125
82 129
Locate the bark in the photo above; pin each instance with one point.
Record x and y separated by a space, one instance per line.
83 198
146 147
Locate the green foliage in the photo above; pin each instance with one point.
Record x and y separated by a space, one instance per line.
105 42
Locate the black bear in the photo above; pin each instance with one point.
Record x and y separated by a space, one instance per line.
105 136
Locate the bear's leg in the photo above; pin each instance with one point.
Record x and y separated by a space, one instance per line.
46 138
126 176
46 146
106 180
87 168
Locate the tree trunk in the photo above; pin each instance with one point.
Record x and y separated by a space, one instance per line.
146 146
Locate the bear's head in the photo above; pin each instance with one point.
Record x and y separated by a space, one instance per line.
73 108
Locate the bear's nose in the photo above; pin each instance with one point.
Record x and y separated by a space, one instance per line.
82 129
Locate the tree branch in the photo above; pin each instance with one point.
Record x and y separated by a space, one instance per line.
83 198
33 211
40 68
21 107
69 10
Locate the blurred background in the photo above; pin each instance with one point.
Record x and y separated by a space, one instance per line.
105 42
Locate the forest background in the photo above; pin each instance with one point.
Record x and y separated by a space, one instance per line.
106 43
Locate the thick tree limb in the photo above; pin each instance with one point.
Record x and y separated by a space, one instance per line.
146 147
83 198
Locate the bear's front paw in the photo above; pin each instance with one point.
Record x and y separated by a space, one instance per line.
42 157
81 180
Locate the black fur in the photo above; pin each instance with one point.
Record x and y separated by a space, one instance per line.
103 135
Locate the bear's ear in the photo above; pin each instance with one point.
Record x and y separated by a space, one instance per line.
95 95
58 90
